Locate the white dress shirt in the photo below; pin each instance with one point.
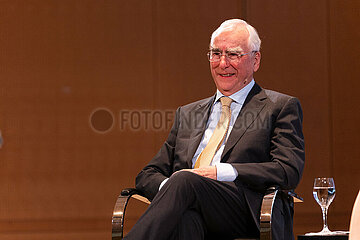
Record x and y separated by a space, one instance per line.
225 172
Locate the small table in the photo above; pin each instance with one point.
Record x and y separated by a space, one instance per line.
335 237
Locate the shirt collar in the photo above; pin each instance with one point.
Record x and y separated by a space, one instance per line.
239 96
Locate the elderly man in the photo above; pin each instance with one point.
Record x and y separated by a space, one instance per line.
208 179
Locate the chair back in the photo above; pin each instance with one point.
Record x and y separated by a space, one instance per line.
355 220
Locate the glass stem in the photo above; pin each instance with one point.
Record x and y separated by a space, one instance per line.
324 213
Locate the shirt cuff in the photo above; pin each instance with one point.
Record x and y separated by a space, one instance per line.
162 183
225 172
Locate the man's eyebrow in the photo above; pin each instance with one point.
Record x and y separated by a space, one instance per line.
236 49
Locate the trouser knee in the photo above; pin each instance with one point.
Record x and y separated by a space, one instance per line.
184 179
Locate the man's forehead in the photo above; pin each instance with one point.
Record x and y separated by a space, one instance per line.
239 30
236 38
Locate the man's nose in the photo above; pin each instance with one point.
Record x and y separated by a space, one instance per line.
224 62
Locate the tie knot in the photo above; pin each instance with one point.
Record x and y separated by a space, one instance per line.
225 101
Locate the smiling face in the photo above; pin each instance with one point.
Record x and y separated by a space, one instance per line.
230 77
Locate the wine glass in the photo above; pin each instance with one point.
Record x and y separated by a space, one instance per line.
324 194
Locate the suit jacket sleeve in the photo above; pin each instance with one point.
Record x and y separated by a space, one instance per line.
160 167
285 150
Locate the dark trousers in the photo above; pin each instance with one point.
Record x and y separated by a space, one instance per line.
193 207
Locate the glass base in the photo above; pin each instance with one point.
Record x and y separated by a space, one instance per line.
328 233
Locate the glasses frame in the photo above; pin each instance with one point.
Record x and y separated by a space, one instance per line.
226 54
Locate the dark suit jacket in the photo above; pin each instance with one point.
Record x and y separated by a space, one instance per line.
265 146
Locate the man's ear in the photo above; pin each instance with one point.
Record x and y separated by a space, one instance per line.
257 61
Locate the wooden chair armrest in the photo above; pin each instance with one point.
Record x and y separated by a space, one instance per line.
296 198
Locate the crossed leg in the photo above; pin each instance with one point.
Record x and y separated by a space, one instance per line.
190 206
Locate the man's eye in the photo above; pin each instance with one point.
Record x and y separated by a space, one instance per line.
216 54
233 54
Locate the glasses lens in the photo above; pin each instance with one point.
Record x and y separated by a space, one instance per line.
214 56
232 55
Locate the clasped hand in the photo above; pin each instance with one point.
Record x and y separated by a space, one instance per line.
209 171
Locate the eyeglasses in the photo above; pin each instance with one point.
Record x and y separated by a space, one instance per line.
215 55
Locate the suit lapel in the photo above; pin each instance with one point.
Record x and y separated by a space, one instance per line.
253 105
201 116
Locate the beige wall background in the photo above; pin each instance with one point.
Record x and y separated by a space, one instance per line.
62 60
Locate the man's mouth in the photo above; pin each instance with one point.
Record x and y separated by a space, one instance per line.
227 74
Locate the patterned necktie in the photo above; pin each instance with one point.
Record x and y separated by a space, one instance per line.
218 135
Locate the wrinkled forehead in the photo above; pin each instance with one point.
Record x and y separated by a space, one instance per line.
234 39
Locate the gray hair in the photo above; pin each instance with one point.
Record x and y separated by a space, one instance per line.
254 41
